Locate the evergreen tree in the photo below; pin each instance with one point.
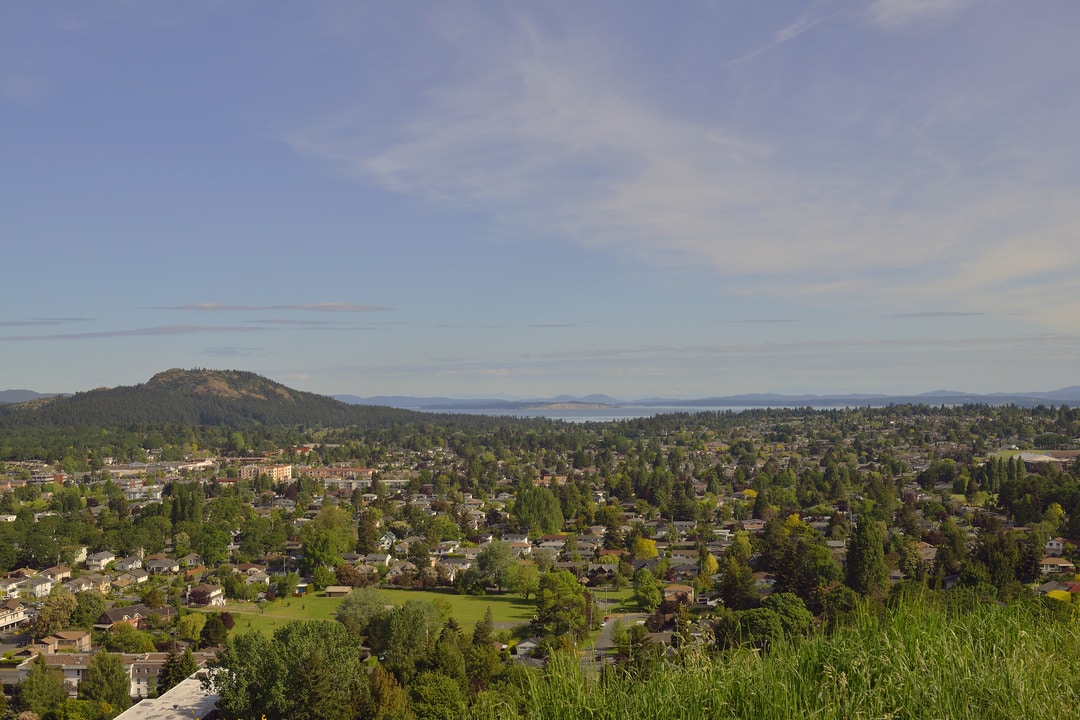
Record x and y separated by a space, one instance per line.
213 632
484 629
865 571
737 587
176 669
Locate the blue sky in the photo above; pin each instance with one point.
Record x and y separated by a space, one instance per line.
527 199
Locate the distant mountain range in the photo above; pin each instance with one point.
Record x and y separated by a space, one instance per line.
1069 396
18 396
238 398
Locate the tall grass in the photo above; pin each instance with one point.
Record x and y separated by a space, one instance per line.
917 661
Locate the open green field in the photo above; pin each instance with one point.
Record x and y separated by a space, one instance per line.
470 609
466 609
614 602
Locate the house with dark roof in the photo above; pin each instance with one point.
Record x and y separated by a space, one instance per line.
133 615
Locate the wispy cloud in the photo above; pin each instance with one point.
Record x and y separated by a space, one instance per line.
900 14
781 36
831 346
933 314
38 322
553 325
134 332
312 307
762 321
541 147
831 362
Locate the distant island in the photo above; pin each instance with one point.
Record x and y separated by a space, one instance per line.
568 406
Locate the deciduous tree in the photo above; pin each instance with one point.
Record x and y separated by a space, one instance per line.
55 614
493 562
107 681
647 590
43 688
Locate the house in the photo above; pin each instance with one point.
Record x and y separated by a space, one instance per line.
677 592
764 581
1054 565
131 562
521 547
58 573
10 585
134 577
64 641
257 578
250 569
402 569
132 615
162 566
79 584
452 566
377 559
39 587
99 583
206 594
98 561
1055 547
525 647
12 613
338 591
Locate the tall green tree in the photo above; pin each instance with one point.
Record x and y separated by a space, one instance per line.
308 669
563 606
537 508
647 590
55 614
494 561
331 534
176 669
107 681
42 690
359 608
436 696
214 632
865 571
523 579
737 587
401 636
89 604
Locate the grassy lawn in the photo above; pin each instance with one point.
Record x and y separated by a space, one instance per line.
470 609
613 602
466 609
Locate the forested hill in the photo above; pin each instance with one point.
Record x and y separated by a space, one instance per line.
198 397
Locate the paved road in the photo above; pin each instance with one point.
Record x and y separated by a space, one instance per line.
601 651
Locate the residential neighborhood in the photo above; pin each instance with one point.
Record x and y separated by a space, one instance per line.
697 517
